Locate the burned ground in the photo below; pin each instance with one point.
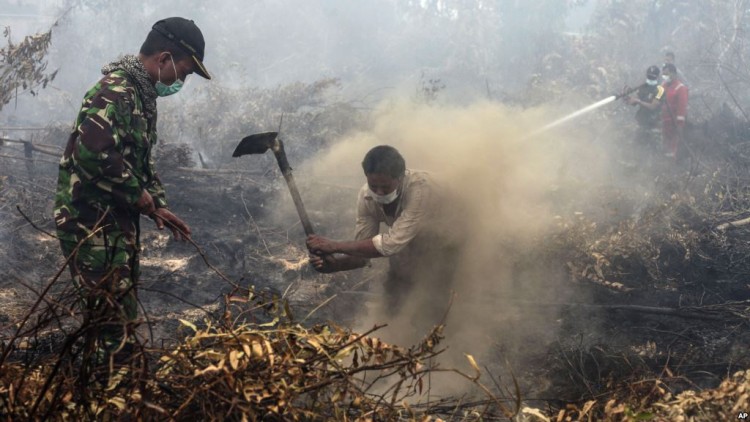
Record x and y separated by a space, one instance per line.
657 295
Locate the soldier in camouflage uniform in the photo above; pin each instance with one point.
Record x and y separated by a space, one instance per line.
107 180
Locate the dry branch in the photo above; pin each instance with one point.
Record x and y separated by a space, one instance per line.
692 312
35 160
215 171
737 223
41 148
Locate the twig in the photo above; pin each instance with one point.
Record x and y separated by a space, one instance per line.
737 223
36 160
319 306
684 313
18 207
35 147
57 275
37 186
201 253
51 302
506 412
255 225
219 172
181 299
8 128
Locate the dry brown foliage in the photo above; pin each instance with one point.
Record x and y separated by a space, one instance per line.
277 370
652 400
232 369
23 66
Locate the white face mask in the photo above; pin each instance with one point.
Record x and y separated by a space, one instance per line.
667 78
652 82
384 199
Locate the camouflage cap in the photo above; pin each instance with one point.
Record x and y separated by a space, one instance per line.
186 35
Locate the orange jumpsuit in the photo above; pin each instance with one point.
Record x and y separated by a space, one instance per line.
673 114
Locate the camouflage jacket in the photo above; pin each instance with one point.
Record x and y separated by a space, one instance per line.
107 162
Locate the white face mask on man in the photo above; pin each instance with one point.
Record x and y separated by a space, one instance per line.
384 199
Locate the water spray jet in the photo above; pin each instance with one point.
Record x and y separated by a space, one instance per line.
587 109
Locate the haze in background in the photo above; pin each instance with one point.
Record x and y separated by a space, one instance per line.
377 49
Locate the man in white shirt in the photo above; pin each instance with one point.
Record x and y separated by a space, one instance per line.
420 242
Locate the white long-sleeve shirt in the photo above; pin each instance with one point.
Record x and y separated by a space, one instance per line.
417 203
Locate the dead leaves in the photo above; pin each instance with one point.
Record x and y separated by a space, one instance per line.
659 243
657 403
277 369
23 66
285 369
474 366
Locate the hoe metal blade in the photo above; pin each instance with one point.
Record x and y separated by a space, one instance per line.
258 143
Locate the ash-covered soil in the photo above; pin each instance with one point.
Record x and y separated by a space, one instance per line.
593 341
234 229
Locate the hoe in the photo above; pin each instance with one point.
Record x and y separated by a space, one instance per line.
259 143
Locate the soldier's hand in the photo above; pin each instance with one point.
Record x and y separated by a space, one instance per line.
145 203
163 216
323 263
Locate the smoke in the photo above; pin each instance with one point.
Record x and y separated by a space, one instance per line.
373 48
506 191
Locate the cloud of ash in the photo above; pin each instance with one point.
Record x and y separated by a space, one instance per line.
505 189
